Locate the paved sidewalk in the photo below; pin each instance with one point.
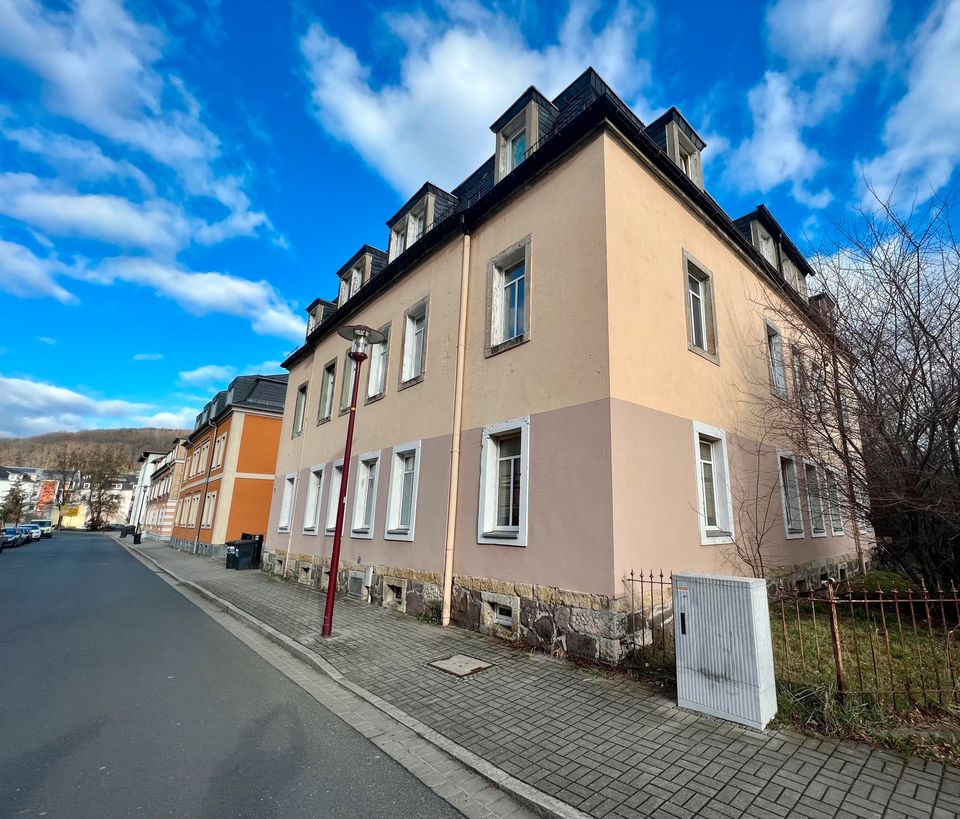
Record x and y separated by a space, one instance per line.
608 746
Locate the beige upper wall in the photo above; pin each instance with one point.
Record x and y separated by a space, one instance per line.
565 361
648 229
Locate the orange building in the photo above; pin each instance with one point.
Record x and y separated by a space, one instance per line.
230 463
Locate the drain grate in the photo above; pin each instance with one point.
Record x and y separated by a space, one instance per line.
460 665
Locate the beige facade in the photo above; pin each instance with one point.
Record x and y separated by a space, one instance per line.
603 388
164 492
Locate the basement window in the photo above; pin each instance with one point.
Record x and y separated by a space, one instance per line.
395 593
355 584
502 615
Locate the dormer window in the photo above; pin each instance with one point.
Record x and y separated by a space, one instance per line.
356 278
763 241
344 293
680 143
409 228
513 143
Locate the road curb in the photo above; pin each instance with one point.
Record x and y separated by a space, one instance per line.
525 794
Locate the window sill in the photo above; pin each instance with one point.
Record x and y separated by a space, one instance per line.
509 344
795 535
411 382
330 532
325 420
344 410
295 435
713 358
399 534
365 534
310 531
283 529
819 534
716 539
501 538
370 399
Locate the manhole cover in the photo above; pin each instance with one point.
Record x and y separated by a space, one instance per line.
460 665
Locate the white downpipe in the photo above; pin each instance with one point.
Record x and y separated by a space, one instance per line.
455 443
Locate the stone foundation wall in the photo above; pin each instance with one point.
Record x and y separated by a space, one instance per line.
583 626
214 550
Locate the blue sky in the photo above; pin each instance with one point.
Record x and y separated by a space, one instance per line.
178 180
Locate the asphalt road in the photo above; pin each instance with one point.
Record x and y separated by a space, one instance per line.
119 697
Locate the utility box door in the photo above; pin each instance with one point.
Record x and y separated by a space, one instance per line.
724 649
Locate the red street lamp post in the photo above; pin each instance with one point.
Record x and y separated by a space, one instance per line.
359 336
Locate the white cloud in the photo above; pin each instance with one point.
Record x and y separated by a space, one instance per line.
204 293
76 158
827 48
148 357
218 374
99 67
459 72
24 274
155 225
920 146
179 419
32 407
47 340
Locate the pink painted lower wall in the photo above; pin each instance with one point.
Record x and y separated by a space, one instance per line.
612 488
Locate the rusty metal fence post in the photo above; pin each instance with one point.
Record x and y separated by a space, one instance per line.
835 634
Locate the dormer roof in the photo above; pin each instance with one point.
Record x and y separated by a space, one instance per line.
427 187
375 252
762 215
657 128
528 96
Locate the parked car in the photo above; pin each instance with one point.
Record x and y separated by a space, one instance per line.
46 527
30 530
13 536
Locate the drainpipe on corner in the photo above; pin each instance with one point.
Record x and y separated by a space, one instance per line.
456 434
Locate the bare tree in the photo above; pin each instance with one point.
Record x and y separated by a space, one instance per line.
756 507
875 382
68 466
102 470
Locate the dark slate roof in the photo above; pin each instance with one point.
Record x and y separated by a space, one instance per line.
356 257
327 307
261 392
658 129
427 187
531 94
585 105
762 214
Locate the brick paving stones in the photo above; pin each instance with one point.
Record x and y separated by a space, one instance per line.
605 744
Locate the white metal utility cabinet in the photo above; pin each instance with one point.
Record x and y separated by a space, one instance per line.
724 650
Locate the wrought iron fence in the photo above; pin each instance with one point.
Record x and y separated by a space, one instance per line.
896 649
649 621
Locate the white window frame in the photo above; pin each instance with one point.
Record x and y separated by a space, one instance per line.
518 253
311 517
508 135
398 240
300 409
796 534
368 462
834 506
487 530
416 216
336 478
328 388
807 465
724 531
346 383
206 515
410 318
287 499
705 314
356 280
377 371
776 359
392 529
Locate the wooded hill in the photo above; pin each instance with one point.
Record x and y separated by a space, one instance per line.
39 450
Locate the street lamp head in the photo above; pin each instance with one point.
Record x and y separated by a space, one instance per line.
360 336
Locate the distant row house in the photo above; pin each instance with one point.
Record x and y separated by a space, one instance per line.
218 483
571 337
